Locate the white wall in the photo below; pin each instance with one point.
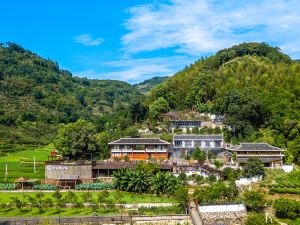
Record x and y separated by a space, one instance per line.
222 208
287 168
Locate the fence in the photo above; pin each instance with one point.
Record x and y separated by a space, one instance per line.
91 220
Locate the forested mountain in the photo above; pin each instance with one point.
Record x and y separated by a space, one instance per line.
254 85
148 84
36 96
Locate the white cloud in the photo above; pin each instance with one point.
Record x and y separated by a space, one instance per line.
135 70
197 27
87 40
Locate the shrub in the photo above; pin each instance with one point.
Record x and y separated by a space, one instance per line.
44 187
254 200
7 186
94 186
285 190
259 219
286 208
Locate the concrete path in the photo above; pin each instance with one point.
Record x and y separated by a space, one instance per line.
195 214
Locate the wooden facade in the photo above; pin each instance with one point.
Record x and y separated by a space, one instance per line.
270 156
140 148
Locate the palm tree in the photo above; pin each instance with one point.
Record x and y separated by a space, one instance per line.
157 183
139 182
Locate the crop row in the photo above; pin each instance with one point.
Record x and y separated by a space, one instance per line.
285 190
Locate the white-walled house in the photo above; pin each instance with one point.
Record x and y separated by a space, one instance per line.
184 144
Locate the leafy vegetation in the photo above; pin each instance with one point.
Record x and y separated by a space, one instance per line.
94 186
218 192
254 200
44 187
254 167
259 219
7 186
286 208
142 181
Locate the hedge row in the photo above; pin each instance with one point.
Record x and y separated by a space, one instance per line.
4 186
94 186
285 190
285 185
44 187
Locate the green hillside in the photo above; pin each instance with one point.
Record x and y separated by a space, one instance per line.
36 95
148 84
254 85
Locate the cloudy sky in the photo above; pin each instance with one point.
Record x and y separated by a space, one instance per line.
137 39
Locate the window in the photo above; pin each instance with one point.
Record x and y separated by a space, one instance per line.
140 147
178 143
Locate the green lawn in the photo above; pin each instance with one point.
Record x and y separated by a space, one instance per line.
14 160
5 197
26 212
53 212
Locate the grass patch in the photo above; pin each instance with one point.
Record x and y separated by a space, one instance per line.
15 167
5 197
167 210
53 212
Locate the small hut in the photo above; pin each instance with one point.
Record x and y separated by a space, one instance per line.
53 155
25 183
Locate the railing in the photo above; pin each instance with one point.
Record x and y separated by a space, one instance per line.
138 150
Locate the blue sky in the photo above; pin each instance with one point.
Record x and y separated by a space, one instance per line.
137 39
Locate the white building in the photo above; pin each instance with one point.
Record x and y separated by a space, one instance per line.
183 144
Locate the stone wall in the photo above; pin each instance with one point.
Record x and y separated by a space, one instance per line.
225 218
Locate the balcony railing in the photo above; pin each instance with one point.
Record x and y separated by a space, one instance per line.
138 150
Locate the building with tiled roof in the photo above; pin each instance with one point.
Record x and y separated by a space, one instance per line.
184 144
139 148
270 155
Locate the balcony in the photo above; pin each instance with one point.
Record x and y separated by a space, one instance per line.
130 150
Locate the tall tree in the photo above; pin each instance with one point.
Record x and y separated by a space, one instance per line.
254 167
158 107
199 154
77 140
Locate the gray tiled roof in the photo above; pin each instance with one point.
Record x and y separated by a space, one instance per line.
198 137
150 141
254 147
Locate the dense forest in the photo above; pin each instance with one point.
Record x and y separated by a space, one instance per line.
255 86
148 84
36 95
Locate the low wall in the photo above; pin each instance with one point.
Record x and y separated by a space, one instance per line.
223 214
118 219
222 208
247 181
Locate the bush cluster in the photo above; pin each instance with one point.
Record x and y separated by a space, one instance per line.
94 186
286 208
44 187
285 190
7 187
